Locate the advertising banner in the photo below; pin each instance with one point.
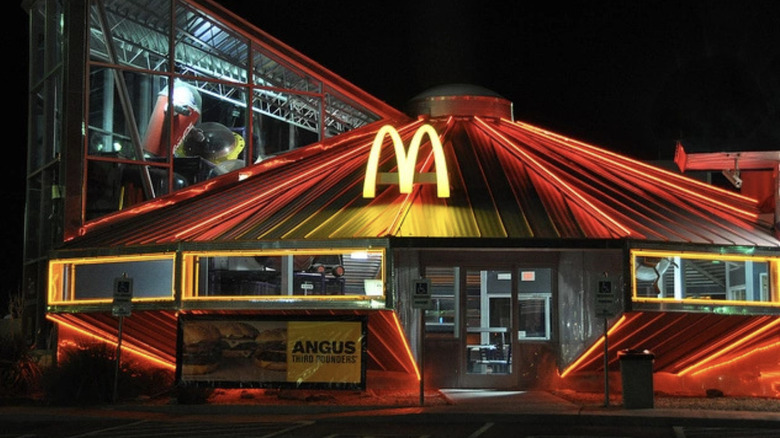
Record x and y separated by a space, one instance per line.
223 351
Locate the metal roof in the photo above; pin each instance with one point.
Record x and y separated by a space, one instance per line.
507 179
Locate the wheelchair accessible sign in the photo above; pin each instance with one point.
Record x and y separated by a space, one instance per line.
421 298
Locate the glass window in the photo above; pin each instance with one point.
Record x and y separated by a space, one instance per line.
353 273
703 277
207 48
134 35
89 280
534 296
341 115
284 121
534 318
444 285
174 89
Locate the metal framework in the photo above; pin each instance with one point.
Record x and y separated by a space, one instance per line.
204 48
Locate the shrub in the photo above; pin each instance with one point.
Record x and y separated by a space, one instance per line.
86 374
19 372
192 394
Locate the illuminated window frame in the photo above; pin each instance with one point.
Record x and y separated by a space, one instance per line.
773 272
61 275
190 280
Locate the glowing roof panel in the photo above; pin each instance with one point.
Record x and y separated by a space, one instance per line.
507 180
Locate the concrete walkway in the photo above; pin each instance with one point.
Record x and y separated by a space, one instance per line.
487 404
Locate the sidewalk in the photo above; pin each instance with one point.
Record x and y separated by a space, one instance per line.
543 403
452 405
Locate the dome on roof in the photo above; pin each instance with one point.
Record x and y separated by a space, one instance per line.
460 100
457 90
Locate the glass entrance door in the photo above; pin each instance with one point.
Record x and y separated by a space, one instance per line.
488 329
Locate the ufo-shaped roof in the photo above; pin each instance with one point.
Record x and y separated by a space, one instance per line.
507 179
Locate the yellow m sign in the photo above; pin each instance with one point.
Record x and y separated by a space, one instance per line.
406 163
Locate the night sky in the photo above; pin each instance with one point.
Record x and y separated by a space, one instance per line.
630 76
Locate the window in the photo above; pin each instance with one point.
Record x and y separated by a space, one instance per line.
444 284
703 278
177 96
283 274
92 280
534 318
534 296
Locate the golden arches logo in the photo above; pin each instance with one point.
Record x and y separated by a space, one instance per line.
406 162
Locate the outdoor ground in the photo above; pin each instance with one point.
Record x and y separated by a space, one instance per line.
432 398
660 401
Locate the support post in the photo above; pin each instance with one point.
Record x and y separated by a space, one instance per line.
118 358
422 357
606 365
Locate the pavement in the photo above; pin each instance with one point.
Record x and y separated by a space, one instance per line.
491 405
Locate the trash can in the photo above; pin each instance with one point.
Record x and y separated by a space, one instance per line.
636 371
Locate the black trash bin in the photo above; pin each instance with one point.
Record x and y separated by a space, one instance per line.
636 371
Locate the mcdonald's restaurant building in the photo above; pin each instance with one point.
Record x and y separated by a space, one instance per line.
254 220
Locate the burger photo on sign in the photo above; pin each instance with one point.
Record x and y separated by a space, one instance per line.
271 353
238 339
201 351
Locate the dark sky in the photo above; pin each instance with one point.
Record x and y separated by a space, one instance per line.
630 76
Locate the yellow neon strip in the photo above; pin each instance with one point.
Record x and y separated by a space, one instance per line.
110 300
284 252
140 353
286 298
406 345
704 255
583 147
567 189
114 259
705 302
728 348
590 350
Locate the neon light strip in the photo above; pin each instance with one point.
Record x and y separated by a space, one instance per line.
277 252
729 348
743 356
599 343
262 195
406 345
704 302
246 172
285 298
164 300
566 188
582 147
704 255
129 348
